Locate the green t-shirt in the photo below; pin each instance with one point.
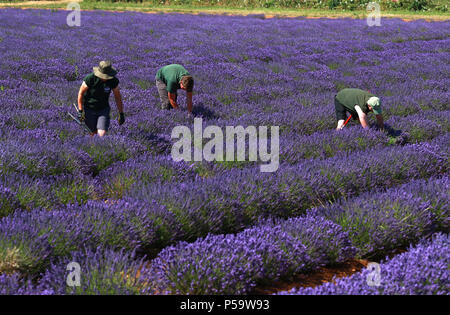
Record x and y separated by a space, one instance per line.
351 97
97 96
171 75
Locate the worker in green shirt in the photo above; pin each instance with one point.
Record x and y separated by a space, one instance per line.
171 78
358 103
93 98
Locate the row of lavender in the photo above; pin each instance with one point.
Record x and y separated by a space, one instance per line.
225 209
304 65
240 79
422 270
216 202
409 129
218 264
36 161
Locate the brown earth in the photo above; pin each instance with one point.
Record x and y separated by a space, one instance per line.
325 274
315 278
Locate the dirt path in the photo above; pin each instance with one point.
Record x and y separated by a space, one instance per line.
35 3
235 12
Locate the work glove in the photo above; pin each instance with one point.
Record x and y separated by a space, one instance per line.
81 115
121 119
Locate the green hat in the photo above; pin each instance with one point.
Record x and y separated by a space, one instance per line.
105 70
375 103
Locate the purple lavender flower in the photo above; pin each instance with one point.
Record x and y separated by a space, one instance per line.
422 270
64 194
235 264
101 272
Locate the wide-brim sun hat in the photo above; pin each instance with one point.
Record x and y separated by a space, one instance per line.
375 103
105 70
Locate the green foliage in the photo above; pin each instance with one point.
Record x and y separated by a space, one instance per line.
33 77
73 192
143 84
7 207
118 186
225 99
32 197
415 5
72 76
333 66
107 153
340 85
333 4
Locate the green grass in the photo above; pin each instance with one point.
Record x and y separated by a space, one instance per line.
281 12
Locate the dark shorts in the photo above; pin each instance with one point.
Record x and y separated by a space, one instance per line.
163 95
97 119
341 111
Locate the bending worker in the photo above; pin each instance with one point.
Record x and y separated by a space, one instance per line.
169 79
93 98
358 103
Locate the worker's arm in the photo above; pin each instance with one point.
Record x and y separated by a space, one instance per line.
362 117
81 92
173 100
119 104
118 98
340 124
380 121
189 101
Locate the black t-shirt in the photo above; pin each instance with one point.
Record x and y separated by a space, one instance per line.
97 96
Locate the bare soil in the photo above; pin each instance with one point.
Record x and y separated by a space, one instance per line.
35 3
315 278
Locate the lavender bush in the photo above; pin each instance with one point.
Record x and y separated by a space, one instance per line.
422 270
15 284
146 169
220 204
226 264
35 157
379 222
50 192
29 241
102 271
8 201
104 152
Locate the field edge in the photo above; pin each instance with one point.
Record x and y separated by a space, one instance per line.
260 12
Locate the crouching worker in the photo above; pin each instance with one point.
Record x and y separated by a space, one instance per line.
171 78
93 98
358 103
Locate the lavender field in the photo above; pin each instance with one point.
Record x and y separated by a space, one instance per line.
139 223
